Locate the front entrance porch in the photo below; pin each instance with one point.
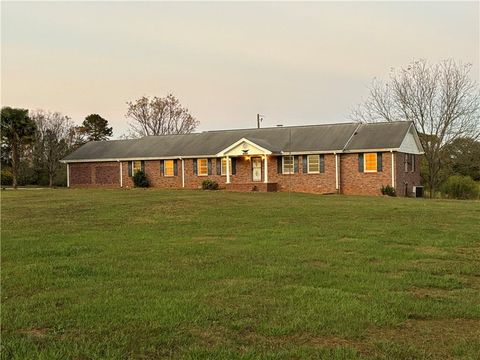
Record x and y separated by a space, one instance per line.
254 169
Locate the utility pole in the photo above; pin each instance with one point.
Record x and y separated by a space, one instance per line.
259 120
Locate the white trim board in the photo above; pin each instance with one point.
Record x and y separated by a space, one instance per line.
243 140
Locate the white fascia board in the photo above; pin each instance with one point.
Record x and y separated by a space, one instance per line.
222 153
369 150
138 158
310 152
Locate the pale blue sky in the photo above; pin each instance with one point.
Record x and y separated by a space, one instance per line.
297 63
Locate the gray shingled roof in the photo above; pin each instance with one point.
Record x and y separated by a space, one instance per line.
379 136
322 138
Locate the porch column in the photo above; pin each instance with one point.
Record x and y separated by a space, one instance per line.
68 175
265 178
228 169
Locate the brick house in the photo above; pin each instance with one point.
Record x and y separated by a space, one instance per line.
345 158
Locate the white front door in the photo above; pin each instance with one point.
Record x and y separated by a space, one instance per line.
256 169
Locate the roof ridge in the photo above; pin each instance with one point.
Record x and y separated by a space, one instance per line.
277 127
282 127
386 122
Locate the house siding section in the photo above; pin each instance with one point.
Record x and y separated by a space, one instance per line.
354 182
351 181
101 174
405 181
322 183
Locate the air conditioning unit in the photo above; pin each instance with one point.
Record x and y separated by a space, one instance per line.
418 191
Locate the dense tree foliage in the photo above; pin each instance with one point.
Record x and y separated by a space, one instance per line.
96 128
462 157
52 141
17 131
34 143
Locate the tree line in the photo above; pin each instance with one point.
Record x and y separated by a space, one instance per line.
34 142
442 100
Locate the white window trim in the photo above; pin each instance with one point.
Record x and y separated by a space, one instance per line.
365 163
413 162
165 168
222 173
283 165
133 166
308 164
198 167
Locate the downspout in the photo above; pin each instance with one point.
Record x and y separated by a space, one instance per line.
337 174
68 175
121 174
393 168
183 172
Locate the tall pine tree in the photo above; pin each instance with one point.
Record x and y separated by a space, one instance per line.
96 128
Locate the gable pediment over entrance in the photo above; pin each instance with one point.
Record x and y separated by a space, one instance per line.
244 147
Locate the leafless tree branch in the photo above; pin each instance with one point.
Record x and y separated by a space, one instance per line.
442 100
159 116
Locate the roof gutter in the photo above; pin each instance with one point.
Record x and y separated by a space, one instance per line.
218 155
66 161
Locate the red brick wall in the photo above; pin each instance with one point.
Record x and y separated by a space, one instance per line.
106 174
80 174
353 182
102 174
406 180
304 182
193 181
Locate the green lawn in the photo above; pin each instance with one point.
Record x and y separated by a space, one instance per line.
146 274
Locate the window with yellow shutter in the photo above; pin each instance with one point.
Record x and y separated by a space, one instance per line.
168 168
370 162
202 167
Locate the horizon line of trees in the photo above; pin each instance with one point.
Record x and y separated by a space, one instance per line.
34 142
442 100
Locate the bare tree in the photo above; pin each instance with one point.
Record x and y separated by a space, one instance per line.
159 116
442 100
52 140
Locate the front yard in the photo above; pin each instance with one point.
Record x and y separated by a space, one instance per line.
116 274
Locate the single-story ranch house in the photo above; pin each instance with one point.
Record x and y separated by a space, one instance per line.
345 158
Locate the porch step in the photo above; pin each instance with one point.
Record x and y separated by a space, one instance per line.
252 186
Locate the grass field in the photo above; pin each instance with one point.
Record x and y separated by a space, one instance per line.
146 274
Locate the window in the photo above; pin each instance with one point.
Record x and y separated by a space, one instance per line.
288 165
137 166
168 169
202 167
313 164
370 162
224 166
409 162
